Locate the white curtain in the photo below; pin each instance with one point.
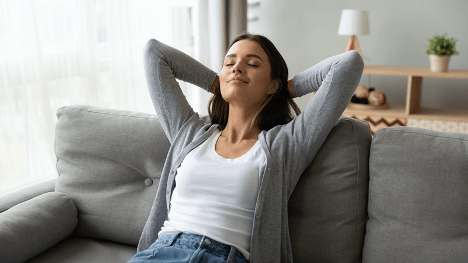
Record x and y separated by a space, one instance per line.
63 52
217 23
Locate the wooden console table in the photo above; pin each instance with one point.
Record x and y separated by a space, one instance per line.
400 115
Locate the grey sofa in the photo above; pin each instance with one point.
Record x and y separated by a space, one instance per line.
401 196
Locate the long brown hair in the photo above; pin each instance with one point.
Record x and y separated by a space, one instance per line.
278 111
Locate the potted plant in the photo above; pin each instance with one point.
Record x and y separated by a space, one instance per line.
439 50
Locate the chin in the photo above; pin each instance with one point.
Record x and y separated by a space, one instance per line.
228 98
229 92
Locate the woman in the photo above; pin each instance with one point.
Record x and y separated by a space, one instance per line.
236 171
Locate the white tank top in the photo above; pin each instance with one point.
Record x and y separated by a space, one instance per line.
215 196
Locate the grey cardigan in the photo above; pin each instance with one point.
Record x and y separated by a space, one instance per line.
289 148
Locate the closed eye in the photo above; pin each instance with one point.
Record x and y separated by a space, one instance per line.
252 65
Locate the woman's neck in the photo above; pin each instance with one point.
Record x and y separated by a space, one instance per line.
239 126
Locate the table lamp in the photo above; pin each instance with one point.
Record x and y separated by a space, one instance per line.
354 22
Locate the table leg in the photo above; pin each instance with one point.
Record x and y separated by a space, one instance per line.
413 95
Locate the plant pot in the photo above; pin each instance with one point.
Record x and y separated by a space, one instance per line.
439 64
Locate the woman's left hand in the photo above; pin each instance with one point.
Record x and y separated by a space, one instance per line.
291 89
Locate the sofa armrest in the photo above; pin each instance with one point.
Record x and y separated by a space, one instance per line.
9 200
36 225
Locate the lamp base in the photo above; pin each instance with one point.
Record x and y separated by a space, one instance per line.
353 45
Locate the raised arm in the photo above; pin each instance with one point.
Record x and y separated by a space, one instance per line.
334 80
163 65
348 65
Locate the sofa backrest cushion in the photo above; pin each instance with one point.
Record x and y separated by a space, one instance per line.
418 197
109 163
328 208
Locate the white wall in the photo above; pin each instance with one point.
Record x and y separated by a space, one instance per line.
305 32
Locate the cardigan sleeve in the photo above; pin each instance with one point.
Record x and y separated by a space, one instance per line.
163 65
334 79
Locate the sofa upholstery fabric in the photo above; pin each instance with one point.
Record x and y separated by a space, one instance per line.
105 158
80 250
412 184
418 197
109 163
328 208
24 194
36 225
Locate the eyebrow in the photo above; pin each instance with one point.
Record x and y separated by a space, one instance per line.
248 55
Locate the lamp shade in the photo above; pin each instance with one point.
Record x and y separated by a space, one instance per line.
354 22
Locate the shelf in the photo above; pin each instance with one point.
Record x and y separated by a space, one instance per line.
442 114
412 107
414 71
398 111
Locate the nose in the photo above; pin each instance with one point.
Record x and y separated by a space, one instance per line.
237 68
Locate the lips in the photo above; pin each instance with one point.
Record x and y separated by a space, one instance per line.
238 79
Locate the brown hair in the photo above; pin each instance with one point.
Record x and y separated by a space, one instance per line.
278 110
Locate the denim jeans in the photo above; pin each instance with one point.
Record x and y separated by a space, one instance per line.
183 247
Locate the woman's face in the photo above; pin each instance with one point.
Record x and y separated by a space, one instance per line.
245 77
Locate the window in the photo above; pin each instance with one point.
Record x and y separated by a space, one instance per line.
63 52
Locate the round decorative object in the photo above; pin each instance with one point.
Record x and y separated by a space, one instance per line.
148 182
361 92
358 100
376 98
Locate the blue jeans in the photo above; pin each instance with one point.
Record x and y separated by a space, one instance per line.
183 247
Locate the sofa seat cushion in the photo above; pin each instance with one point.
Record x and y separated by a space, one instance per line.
418 197
327 210
109 162
78 250
36 225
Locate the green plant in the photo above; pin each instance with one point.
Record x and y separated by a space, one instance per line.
440 46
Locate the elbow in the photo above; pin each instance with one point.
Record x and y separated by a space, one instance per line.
355 60
152 47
